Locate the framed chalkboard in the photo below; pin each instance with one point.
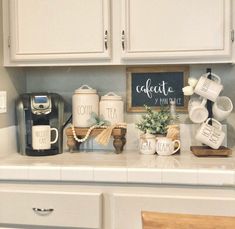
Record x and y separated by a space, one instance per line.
156 86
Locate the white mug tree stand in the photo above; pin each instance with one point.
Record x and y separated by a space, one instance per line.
203 151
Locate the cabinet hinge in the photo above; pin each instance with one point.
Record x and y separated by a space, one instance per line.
232 35
9 41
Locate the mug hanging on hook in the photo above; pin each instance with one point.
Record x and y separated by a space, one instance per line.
209 88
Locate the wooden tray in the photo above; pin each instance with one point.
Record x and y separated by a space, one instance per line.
204 151
118 134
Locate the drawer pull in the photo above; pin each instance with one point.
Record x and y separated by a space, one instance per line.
43 211
123 40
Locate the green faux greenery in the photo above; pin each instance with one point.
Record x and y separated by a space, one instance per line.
98 120
155 122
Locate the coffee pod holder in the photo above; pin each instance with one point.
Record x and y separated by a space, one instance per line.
204 150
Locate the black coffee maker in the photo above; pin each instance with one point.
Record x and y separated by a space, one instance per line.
34 109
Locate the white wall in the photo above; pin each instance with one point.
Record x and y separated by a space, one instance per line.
11 80
64 80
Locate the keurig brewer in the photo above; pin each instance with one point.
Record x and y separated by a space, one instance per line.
40 118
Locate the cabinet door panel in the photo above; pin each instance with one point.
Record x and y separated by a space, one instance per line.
43 29
128 207
179 28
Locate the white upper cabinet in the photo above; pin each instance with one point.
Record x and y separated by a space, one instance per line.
166 29
58 30
87 32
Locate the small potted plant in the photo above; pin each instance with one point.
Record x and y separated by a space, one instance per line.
155 122
152 124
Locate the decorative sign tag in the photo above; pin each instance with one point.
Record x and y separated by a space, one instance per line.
156 87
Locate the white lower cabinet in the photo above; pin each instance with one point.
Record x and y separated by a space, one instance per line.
51 208
128 207
104 205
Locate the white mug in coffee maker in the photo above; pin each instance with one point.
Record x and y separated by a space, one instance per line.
41 137
209 88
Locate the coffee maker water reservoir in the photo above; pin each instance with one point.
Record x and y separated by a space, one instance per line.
40 118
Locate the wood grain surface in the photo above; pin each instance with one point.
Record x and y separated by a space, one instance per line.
203 151
154 220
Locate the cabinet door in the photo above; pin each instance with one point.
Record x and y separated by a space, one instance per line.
128 207
176 29
59 29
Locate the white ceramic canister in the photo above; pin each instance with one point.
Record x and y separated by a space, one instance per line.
85 101
111 108
147 143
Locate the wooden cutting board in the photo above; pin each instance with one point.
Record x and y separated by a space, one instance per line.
204 151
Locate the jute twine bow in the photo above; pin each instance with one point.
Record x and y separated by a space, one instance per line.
104 137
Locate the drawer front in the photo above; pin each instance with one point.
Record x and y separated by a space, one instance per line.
65 209
128 207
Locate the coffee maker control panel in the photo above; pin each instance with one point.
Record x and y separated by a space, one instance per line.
40 104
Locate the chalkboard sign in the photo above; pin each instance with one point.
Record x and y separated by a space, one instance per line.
156 86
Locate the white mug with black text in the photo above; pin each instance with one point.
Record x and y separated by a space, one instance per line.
147 144
209 88
41 137
165 146
211 135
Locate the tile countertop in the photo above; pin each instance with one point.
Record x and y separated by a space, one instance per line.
127 167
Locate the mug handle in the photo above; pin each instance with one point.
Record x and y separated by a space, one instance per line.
56 135
204 102
176 141
215 121
215 76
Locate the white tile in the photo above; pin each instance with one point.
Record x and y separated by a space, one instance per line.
44 172
14 172
179 176
215 177
110 174
142 175
72 173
